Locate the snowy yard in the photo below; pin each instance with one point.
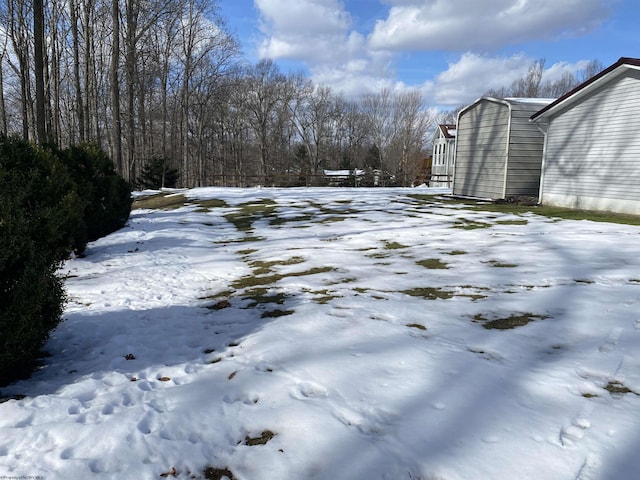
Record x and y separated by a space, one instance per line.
352 334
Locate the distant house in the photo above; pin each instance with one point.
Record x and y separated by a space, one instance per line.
339 178
444 143
498 150
592 145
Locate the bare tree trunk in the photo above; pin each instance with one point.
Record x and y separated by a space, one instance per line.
91 127
3 105
38 57
73 10
130 81
115 88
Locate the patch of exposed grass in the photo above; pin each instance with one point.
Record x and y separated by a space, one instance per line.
261 296
207 205
433 264
393 245
512 222
423 199
261 267
276 313
473 296
429 293
263 439
507 323
322 297
475 292
248 213
216 296
456 252
284 220
378 255
618 389
416 325
519 209
160 201
334 211
254 281
331 219
498 264
465 224
553 212
215 473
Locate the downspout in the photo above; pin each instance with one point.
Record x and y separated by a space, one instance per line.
544 128
455 152
506 160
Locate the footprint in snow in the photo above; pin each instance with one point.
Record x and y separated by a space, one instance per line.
370 421
306 390
612 341
589 469
248 398
573 433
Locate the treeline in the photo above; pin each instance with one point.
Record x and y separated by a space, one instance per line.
162 84
533 84
163 81
52 202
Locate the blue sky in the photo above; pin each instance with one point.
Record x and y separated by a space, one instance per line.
451 50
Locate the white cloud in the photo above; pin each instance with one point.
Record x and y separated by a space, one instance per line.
473 75
322 34
557 70
472 25
308 30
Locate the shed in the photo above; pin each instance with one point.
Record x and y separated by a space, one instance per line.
498 150
592 143
444 143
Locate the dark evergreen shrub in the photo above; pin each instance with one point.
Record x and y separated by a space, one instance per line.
107 196
39 208
158 173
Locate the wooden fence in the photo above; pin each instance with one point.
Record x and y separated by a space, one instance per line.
296 180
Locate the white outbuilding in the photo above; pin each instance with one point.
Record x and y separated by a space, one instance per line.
591 156
498 150
444 142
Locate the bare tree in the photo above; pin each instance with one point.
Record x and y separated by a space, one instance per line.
412 121
377 108
529 85
262 95
590 70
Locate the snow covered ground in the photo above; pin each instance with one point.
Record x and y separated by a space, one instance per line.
349 334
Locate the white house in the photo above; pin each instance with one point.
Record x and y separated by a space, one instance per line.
592 143
444 142
498 150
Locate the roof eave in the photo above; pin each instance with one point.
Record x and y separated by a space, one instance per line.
584 88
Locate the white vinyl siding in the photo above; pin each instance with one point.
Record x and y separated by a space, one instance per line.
481 150
498 151
593 149
526 143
